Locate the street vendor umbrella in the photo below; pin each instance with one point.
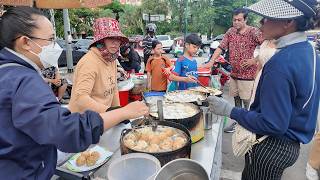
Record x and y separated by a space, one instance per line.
57 4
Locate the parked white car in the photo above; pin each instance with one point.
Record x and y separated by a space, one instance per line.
166 41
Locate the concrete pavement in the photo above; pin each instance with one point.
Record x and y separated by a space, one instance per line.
232 166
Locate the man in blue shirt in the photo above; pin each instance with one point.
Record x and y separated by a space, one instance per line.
287 98
186 70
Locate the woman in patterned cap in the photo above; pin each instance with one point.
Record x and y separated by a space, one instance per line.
95 78
286 104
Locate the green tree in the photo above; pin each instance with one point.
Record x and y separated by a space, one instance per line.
211 17
201 17
116 7
155 7
80 19
205 16
131 20
177 14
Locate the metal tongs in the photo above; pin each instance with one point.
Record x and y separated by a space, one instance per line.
148 118
200 83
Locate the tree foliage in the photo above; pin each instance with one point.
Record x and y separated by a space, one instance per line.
211 17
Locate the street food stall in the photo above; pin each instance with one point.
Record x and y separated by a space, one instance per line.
184 129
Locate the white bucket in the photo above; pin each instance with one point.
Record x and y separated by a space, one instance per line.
134 166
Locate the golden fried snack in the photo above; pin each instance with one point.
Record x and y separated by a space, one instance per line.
166 145
141 145
95 155
155 140
90 161
178 143
153 148
85 154
169 132
162 136
133 137
129 143
81 160
144 137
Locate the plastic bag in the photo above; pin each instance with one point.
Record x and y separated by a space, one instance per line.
172 86
215 81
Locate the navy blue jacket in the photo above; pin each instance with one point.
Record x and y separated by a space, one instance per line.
33 124
284 89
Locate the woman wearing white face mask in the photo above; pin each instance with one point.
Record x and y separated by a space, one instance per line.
49 56
33 124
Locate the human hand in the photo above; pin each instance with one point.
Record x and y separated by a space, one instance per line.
167 71
191 79
135 109
248 62
219 106
57 82
47 80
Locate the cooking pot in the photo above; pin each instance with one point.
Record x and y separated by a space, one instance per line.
163 157
195 123
182 169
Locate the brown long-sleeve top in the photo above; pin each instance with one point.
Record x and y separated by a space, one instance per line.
94 84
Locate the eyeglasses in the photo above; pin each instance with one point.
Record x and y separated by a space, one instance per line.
32 37
50 39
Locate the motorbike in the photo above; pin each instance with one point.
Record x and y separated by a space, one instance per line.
221 66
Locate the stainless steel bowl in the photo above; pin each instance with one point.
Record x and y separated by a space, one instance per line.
182 169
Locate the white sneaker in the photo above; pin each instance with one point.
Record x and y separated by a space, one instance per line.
311 173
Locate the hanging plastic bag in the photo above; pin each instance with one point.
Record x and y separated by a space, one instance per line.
215 81
172 86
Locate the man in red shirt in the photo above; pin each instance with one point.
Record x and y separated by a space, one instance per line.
241 41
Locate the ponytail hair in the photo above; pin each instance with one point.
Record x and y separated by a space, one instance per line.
15 22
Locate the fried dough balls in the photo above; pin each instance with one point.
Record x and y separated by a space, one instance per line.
88 158
81 160
162 140
178 143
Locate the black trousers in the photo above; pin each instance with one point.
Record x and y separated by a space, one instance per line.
270 158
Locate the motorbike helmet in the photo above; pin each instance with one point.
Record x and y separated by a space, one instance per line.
151 28
214 45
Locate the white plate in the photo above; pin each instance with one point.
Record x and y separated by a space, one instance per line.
104 156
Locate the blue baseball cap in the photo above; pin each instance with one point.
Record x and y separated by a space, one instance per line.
284 9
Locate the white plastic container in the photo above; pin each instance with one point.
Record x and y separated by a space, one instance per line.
134 166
